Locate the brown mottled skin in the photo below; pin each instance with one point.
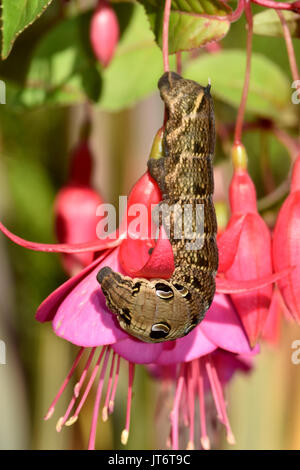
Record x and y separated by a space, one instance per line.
160 310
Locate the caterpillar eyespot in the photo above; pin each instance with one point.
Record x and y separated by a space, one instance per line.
164 291
183 290
162 310
159 330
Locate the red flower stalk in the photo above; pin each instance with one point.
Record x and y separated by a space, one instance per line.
286 246
294 6
75 210
104 32
251 241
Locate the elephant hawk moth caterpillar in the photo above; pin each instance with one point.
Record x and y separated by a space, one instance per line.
159 310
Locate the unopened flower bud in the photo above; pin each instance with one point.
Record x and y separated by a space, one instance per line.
104 32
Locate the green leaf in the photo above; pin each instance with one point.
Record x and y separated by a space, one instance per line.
16 16
136 66
269 93
63 69
267 23
187 29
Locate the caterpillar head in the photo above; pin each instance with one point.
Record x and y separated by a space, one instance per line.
153 311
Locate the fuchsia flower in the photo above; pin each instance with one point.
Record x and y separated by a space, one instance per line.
75 208
104 32
79 314
286 246
251 241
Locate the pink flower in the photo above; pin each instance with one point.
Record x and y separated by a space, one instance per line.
75 209
104 32
250 240
286 247
79 314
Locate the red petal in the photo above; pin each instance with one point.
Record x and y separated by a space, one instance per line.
230 286
228 242
286 251
271 329
99 245
137 262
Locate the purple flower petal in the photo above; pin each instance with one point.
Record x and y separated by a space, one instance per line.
185 349
137 351
181 350
83 317
223 327
48 308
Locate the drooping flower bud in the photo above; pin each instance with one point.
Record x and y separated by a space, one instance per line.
153 259
251 257
75 210
286 244
104 32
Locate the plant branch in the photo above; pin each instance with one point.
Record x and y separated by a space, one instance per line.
165 38
242 107
289 47
295 6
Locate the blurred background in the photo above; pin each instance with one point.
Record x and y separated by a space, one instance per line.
35 147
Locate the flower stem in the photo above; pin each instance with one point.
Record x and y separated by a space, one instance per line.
276 5
242 107
178 63
165 38
289 47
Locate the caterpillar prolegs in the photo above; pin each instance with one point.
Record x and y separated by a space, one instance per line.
159 310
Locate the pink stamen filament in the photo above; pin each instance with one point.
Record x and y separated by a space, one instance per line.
175 410
221 401
197 370
165 38
125 432
88 388
64 384
116 378
242 107
191 406
97 401
109 386
213 388
77 389
230 436
169 440
184 402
